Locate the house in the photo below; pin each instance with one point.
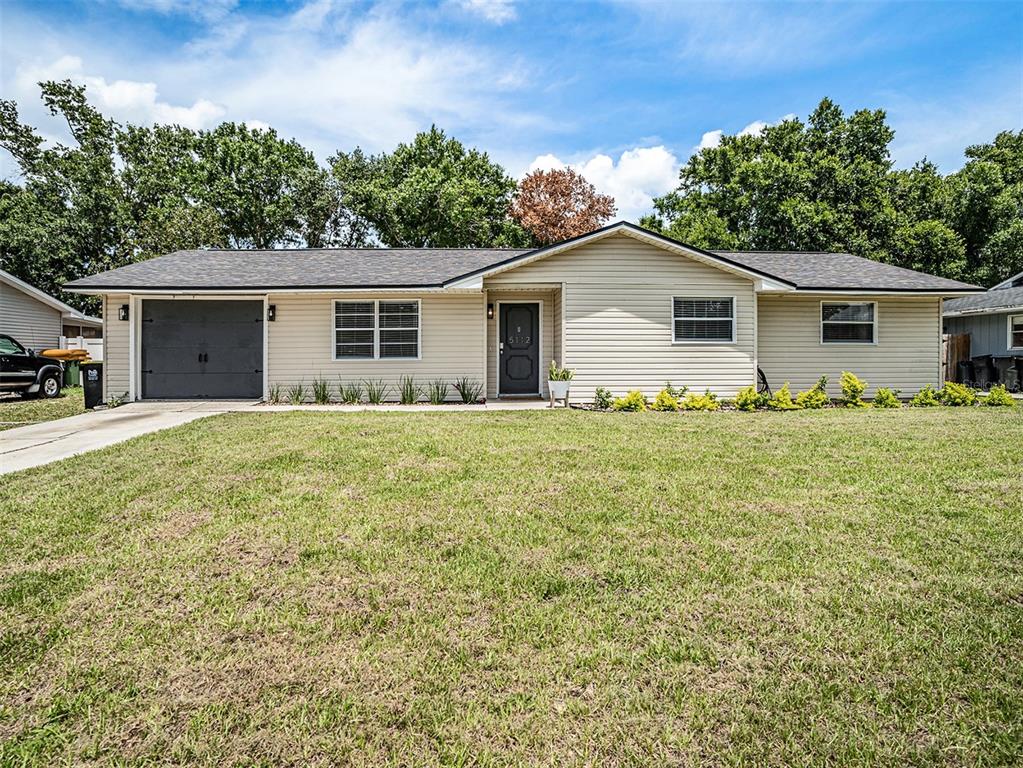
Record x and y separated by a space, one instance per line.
40 321
993 322
623 306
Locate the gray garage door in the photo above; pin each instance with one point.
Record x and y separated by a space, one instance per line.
202 349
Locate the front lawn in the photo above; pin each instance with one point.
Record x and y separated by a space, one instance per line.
521 588
16 412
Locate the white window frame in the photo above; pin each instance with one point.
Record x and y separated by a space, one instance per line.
735 311
874 323
376 329
1008 339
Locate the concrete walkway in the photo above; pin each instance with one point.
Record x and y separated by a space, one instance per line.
48 441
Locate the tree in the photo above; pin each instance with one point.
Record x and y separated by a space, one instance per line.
431 193
559 204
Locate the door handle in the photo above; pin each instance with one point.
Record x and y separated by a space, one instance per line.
206 357
200 357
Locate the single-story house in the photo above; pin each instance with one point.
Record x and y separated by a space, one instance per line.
40 321
993 322
625 307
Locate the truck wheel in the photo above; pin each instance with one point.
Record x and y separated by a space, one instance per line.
49 386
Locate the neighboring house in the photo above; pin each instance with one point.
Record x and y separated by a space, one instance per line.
40 321
622 306
993 320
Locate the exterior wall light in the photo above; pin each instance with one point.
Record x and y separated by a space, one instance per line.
490 311
271 312
122 312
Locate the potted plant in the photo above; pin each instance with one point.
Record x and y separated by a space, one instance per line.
558 382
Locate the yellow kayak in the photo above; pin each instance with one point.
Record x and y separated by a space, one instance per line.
66 354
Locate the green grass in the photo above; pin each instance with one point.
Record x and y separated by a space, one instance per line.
16 412
524 588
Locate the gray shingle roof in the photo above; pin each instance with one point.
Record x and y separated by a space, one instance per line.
299 268
997 299
840 271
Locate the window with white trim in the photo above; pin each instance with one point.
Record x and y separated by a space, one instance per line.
703 320
376 329
1015 331
848 322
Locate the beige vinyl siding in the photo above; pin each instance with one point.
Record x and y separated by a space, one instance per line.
547 323
617 295
27 319
116 352
301 341
907 354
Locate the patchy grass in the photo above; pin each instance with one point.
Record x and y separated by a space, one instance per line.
16 412
552 588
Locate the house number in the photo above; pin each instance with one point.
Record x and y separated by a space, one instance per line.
519 339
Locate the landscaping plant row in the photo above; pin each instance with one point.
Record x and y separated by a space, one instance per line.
748 399
376 391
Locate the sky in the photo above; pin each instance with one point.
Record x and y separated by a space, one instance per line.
624 91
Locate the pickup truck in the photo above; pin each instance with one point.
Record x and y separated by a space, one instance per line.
25 372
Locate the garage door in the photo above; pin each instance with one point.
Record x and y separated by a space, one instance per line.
202 349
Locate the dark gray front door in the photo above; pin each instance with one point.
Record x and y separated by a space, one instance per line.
519 352
202 349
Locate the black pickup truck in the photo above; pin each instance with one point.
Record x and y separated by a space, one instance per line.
25 372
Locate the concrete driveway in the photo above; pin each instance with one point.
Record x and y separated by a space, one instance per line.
38 444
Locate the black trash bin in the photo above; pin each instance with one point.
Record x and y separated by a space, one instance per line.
966 374
985 373
1006 367
92 383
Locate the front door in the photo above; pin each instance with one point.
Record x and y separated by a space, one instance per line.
519 352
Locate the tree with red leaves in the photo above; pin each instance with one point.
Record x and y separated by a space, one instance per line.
559 204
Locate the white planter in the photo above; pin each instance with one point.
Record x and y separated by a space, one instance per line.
559 389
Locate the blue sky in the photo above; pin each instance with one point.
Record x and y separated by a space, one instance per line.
623 90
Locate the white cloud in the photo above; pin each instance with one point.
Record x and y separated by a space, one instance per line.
494 11
257 125
637 177
710 139
126 100
209 10
754 129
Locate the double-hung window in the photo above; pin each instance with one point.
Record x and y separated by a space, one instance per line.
1015 331
703 320
848 322
376 329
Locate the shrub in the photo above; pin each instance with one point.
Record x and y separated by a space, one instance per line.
276 395
708 401
677 392
815 397
665 401
999 396
351 394
468 389
408 391
886 398
853 388
559 374
376 390
927 397
321 391
782 400
437 391
603 399
633 401
749 399
296 393
957 394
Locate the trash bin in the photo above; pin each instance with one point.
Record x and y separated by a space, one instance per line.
966 373
72 374
984 369
92 381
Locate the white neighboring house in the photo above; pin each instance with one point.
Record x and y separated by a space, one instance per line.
39 321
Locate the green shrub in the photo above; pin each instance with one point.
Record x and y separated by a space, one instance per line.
408 391
749 399
468 389
603 399
886 398
633 401
677 392
708 401
437 391
853 388
296 393
782 400
321 391
927 397
376 390
957 394
351 394
665 401
999 396
276 394
815 397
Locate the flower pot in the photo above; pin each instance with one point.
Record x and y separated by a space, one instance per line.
559 389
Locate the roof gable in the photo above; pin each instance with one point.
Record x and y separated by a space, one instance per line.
66 310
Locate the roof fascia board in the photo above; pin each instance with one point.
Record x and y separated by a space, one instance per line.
984 311
261 290
896 292
1007 283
